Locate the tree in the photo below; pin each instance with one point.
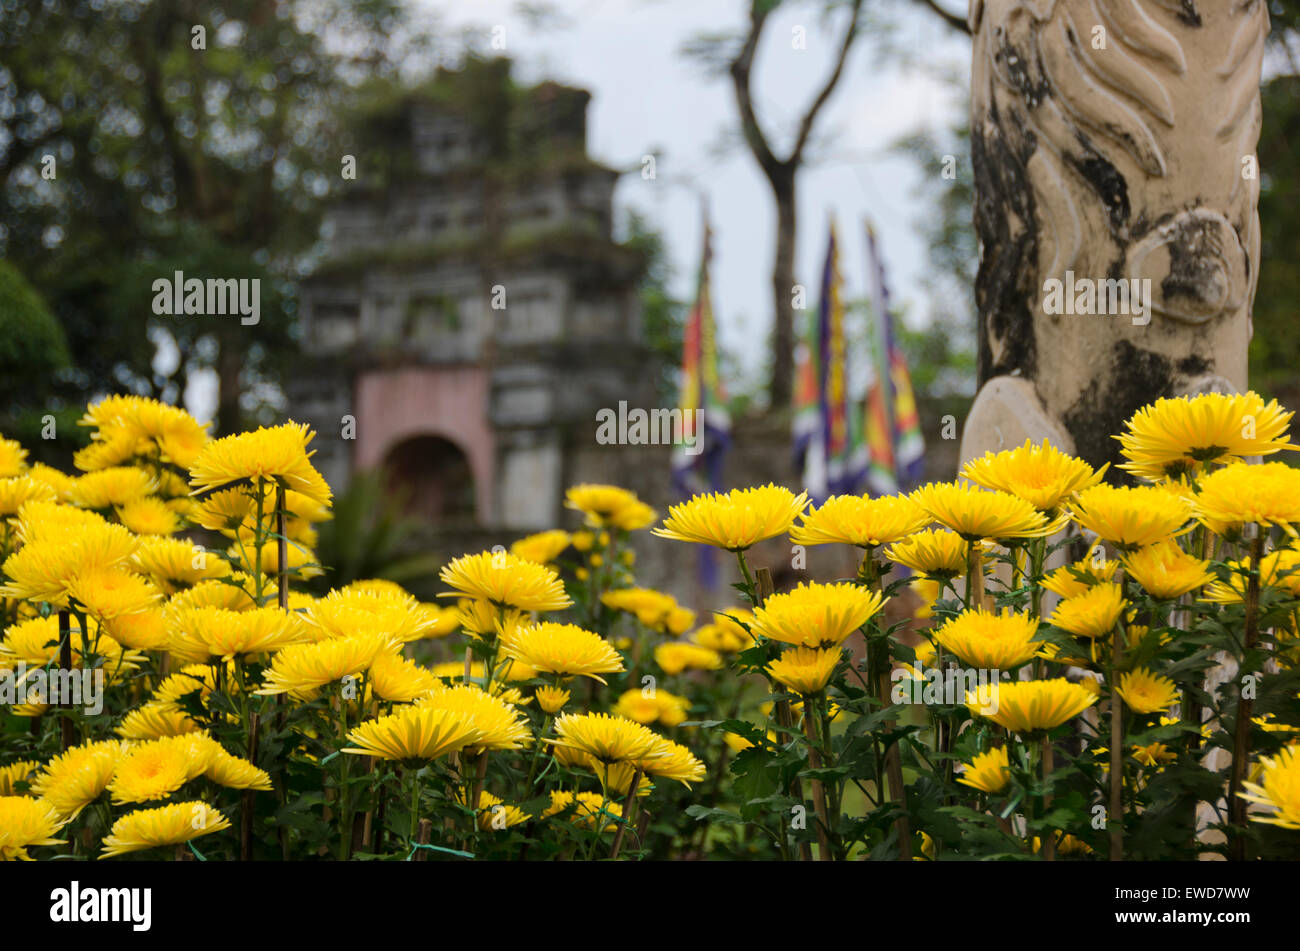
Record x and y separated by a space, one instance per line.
1274 345
781 172
148 136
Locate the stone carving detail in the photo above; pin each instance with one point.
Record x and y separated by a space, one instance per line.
1112 140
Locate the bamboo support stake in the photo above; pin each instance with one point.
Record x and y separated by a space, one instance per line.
1237 807
818 791
894 773
628 805
1115 819
246 799
763 581
1049 763
67 729
425 834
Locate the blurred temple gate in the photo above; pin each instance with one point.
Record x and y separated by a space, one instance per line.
473 311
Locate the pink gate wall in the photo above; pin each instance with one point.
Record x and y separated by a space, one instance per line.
451 402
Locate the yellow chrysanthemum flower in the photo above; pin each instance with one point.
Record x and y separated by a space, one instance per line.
857 520
175 824
1279 789
300 670
651 607
563 649
277 453
990 641
157 769
1144 691
13 458
815 614
1238 494
1041 475
1181 436
1131 518
552 699
175 563
669 760
111 487
60 482
1026 706
937 553
584 808
189 679
988 772
1278 569
230 593
1154 755
149 516
676 656
1093 613
735 520
1164 570
129 426
399 680
650 706
976 514
494 815
506 580
200 633
599 503
77 777
725 635
234 772
483 620
606 738
12 774
1066 582
59 549
154 720
414 734
35 642
500 726
633 517
352 611
300 561
106 593
25 822
543 547
17 491
805 670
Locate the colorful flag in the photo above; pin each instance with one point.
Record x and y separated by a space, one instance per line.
702 401
894 442
828 436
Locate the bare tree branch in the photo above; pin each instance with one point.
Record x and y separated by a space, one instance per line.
740 72
952 19
806 126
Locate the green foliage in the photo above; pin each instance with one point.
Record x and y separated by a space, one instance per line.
32 345
369 537
163 150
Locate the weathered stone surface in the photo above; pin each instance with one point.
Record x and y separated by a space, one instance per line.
480 303
1112 140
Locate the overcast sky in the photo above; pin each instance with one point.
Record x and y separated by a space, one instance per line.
647 96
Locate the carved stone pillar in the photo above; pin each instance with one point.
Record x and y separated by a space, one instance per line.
1112 140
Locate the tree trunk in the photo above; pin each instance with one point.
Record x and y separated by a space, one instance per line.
230 363
782 385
